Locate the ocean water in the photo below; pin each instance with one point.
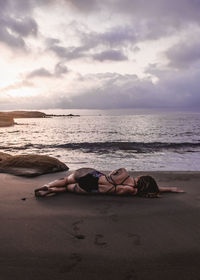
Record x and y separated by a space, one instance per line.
109 139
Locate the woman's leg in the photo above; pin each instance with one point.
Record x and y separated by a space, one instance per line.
75 188
63 182
56 186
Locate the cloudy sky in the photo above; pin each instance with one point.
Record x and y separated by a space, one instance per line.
99 54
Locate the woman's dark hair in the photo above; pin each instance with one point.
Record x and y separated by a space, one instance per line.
147 187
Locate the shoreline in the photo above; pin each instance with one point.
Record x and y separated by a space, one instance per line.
105 145
100 236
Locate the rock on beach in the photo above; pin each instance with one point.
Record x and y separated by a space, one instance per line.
30 165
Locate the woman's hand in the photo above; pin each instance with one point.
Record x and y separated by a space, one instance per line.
171 189
176 190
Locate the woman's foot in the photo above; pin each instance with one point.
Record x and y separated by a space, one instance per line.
44 192
49 191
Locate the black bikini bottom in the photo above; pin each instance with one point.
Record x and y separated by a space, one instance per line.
88 178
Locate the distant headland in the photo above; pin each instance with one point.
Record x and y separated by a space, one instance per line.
7 118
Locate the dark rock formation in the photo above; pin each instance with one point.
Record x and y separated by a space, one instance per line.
30 165
6 120
69 115
23 114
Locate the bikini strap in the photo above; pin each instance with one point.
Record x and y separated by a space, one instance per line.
122 183
124 180
111 182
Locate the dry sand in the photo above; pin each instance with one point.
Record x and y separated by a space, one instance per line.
72 236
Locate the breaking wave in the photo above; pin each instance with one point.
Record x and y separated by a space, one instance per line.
109 147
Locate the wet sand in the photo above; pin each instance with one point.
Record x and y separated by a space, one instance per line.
73 236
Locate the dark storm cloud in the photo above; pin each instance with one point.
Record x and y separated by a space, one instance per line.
52 41
22 26
177 11
139 21
184 54
117 36
42 72
111 39
131 33
110 55
172 12
70 53
14 26
148 19
117 91
141 7
60 69
9 39
174 90
19 7
84 5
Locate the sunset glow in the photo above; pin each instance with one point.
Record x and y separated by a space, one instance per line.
63 50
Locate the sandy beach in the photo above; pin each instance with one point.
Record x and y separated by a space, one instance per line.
72 236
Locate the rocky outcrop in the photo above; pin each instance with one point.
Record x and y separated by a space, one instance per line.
30 165
6 120
69 115
23 114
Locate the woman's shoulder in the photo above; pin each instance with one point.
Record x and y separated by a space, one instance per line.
119 175
119 170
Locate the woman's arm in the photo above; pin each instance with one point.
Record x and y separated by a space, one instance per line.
171 189
57 186
121 190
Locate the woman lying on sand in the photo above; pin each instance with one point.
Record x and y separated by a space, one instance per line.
89 180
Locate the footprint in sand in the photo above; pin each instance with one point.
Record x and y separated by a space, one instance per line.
136 237
73 260
114 218
76 224
76 230
105 209
99 240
